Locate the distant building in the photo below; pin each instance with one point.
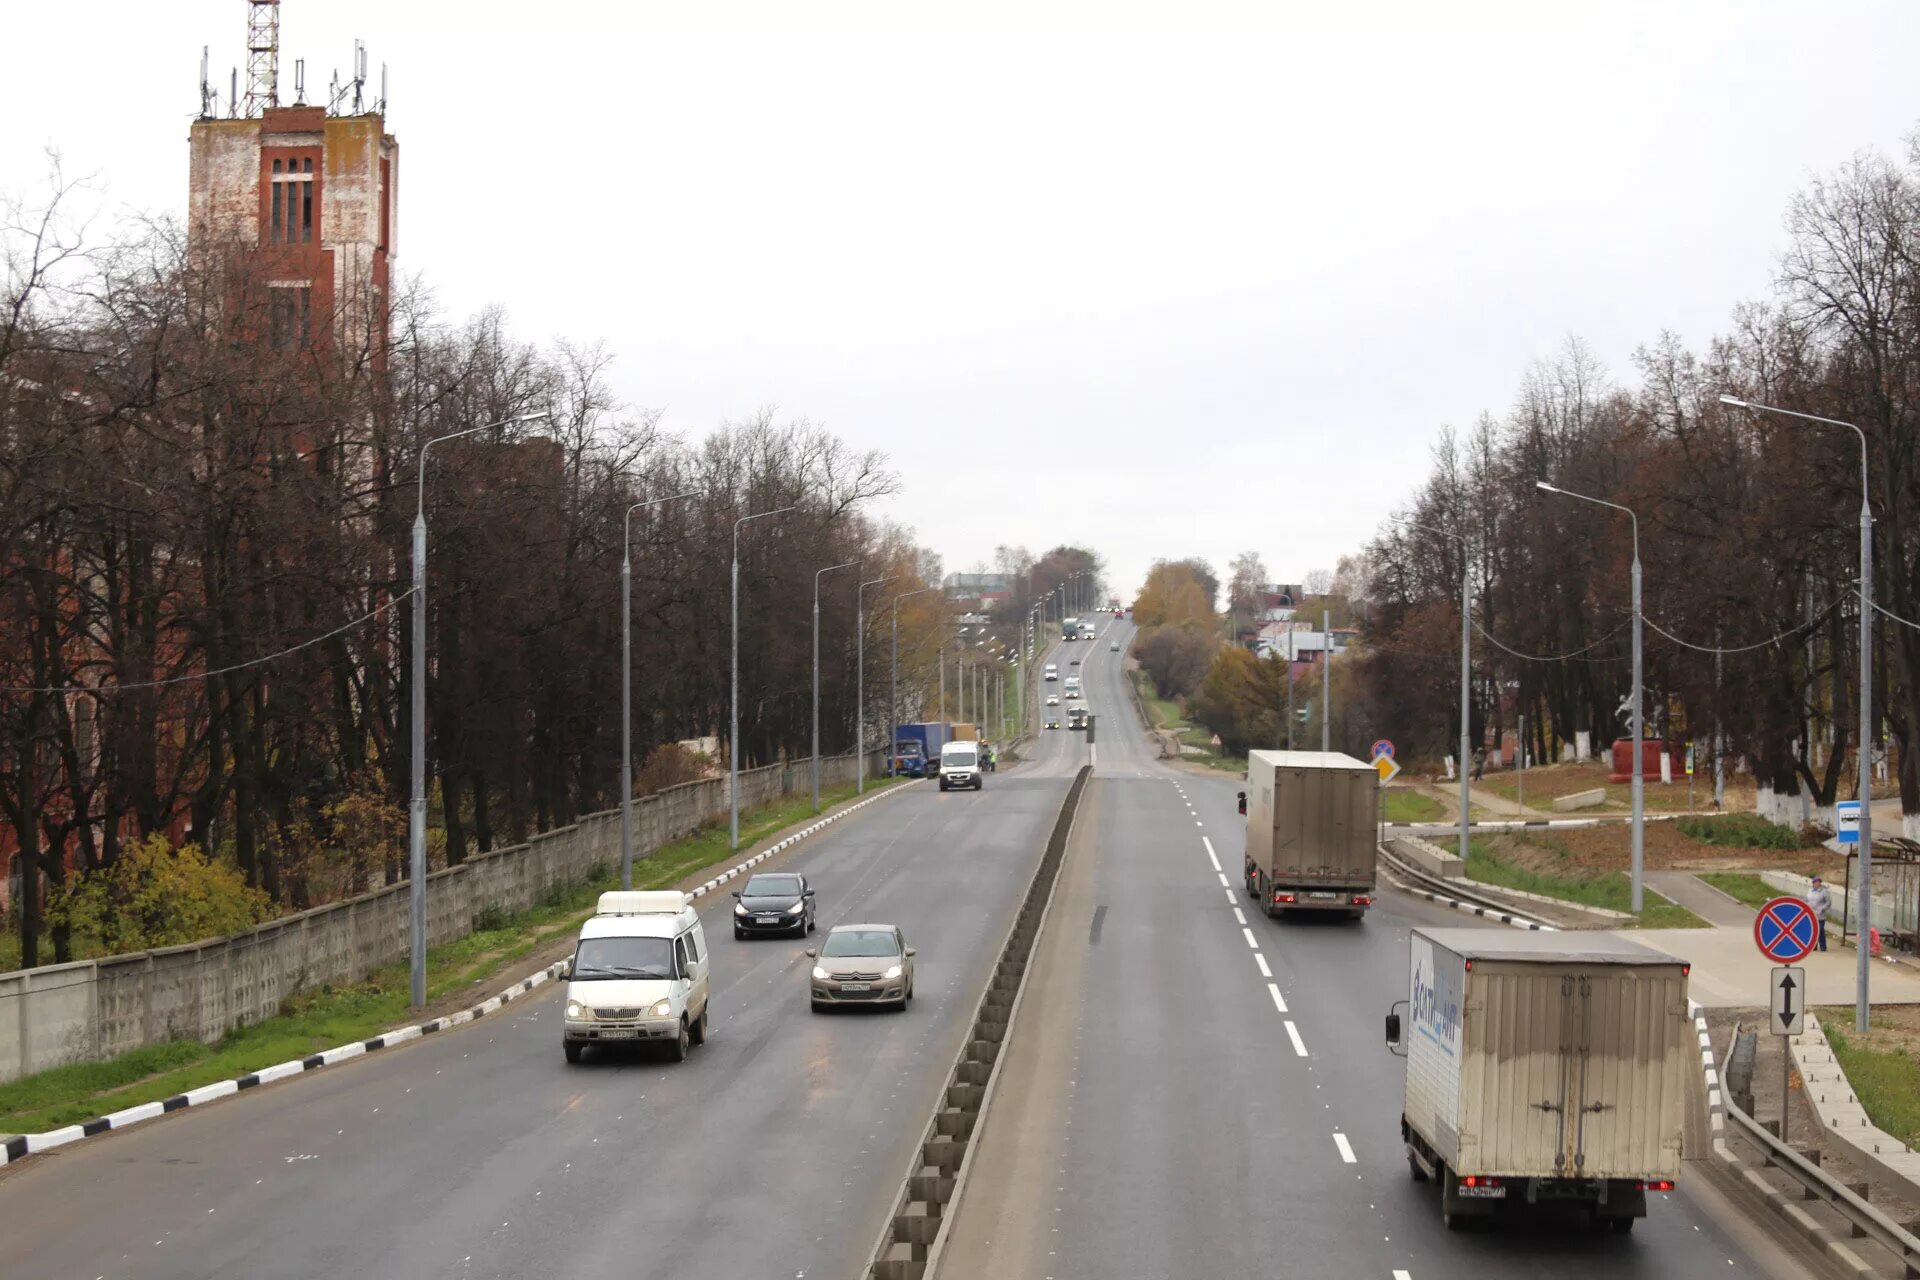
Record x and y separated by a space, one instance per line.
304 196
988 588
1306 647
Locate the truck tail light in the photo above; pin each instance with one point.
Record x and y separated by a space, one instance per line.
1656 1184
1282 897
1362 900
1478 1180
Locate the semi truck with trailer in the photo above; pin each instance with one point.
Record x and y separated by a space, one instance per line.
1546 1068
916 748
1311 839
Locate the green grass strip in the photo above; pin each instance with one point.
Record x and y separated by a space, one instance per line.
1609 890
333 1015
1886 1081
1742 886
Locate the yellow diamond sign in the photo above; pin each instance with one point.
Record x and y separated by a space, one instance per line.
1386 767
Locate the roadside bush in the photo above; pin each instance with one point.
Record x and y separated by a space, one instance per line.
1177 657
1741 830
157 896
669 765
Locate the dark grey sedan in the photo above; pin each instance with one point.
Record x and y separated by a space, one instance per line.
774 903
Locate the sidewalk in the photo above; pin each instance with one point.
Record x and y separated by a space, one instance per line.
1494 804
1728 970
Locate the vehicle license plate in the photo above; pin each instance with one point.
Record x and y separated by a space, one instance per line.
1322 894
1483 1193
855 986
620 1033
766 919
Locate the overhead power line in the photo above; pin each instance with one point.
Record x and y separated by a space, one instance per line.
362 620
1546 657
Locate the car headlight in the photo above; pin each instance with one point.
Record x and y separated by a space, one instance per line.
740 909
796 908
660 1009
892 973
820 975
577 1011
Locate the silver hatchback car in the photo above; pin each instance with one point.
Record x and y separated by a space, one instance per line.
862 964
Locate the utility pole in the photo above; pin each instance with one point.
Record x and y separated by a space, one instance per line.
1326 681
733 723
860 687
816 675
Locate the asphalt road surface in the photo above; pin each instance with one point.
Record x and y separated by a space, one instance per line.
1195 1090
774 1151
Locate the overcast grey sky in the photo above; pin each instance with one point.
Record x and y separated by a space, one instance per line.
1164 280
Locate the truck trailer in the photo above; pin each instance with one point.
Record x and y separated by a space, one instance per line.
1311 839
1544 1068
916 748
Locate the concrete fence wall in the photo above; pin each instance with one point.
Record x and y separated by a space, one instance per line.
94 1009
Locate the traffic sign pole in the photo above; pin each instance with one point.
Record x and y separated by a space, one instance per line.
1787 1004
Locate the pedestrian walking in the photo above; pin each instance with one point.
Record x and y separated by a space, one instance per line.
1820 899
1479 763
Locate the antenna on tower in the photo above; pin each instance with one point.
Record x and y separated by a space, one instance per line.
209 100
233 92
299 82
263 55
359 72
383 89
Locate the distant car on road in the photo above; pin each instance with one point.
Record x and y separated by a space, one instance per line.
1076 662
1115 646
1053 699
774 903
862 964
1053 722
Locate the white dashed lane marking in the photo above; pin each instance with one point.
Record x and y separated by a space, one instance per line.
1280 1003
1293 1034
1251 940
1262 962
1346 1148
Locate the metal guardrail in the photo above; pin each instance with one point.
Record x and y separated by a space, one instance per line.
1866 1219
1439 886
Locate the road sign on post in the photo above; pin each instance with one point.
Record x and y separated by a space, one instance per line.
1846 822
1382 748
1785 930
1788 997
1387 768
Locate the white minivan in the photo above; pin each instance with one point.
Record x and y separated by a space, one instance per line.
960 766
639 973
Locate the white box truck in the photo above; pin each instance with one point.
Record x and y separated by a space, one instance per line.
1312 843
1545 1067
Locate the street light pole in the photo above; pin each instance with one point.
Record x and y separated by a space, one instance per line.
1326 681
1864 967
1639 700
860 685
816 675
626 683
733 723
417 807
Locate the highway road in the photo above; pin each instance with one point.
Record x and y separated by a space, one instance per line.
1195 1090
775 1150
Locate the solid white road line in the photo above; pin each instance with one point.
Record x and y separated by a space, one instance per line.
1251 941
1279 1001
1262 962
1293 1034
1346 1149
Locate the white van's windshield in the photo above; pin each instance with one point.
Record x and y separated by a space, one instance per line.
623 958
958 755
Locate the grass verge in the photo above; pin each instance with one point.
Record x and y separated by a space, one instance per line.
1887 1081
1742 886
330 1015
1741 831
1412 806
1609 890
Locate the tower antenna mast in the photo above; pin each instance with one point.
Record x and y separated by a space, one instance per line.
263 55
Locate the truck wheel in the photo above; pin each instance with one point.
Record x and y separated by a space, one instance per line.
699 1033
1620 1226
1453 1221
573 1050
677 1050
1413 1164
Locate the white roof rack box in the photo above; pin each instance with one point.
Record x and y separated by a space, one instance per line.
636 902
